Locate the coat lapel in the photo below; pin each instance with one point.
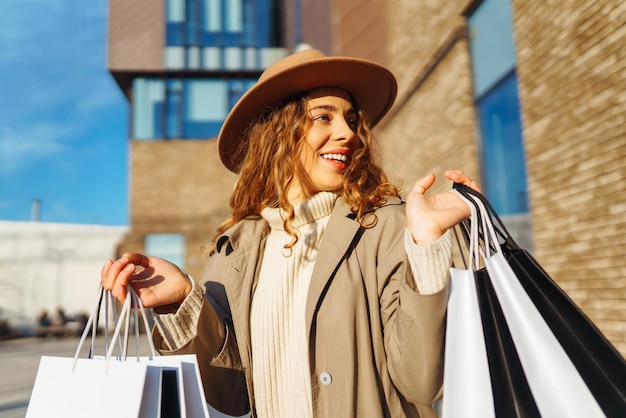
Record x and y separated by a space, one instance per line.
340 233
244 244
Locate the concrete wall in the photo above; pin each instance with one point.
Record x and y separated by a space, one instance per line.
46 265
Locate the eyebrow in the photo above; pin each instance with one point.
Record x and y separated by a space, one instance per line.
331 108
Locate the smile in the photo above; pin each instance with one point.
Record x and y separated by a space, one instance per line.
335 157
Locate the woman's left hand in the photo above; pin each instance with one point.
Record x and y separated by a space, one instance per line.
429 217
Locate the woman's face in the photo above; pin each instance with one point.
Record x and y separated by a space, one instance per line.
331 141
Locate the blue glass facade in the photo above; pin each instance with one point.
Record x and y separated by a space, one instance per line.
187 108
220 34
205 42
497 103
504 164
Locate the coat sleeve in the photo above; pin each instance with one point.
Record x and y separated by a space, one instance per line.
215 346
414 323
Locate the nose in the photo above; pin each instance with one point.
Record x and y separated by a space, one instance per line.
343 131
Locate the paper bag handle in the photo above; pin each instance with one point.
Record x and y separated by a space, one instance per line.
132 299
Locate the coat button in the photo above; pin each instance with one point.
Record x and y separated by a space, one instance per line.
326 379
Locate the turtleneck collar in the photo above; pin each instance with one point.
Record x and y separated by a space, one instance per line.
317 207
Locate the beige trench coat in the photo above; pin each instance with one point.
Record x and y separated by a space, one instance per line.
376 346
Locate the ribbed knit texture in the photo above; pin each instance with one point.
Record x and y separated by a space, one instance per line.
282 380
431 263
179 328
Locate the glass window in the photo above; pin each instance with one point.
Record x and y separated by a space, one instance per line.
213 16
496 98
206 107
502 148
183 108
173 121
234 16
231 25
493 48
147 107
175 22
170 247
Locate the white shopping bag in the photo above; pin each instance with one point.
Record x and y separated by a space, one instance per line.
192 401
545 362
89 390
466 380
109 386
467 383
164 389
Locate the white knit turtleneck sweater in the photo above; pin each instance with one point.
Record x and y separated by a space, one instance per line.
282 381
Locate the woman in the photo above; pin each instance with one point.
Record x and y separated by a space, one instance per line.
325 294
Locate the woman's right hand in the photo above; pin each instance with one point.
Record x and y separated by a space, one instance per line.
157 282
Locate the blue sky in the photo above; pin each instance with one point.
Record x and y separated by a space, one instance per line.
63 120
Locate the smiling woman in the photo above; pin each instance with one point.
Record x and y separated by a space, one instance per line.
324 294
331 141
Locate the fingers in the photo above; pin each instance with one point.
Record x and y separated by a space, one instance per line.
423 184
459 176
115 275
138 259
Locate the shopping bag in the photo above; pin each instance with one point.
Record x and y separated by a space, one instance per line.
556 385
182 383
105 386
192 402
467 384
86 390
505 391
511 393
175 378
599 364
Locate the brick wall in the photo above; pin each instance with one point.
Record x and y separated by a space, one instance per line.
177 186
431 127
572 74
434 129
572 81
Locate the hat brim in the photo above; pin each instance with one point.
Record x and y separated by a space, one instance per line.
373 87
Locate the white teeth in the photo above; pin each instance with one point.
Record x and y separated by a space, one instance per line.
338 157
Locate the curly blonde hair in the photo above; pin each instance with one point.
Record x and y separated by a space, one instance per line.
271 158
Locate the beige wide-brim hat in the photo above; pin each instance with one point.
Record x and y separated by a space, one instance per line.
372 86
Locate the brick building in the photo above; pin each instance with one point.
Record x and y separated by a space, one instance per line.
527 96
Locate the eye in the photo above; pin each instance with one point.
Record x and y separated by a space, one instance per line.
321 117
